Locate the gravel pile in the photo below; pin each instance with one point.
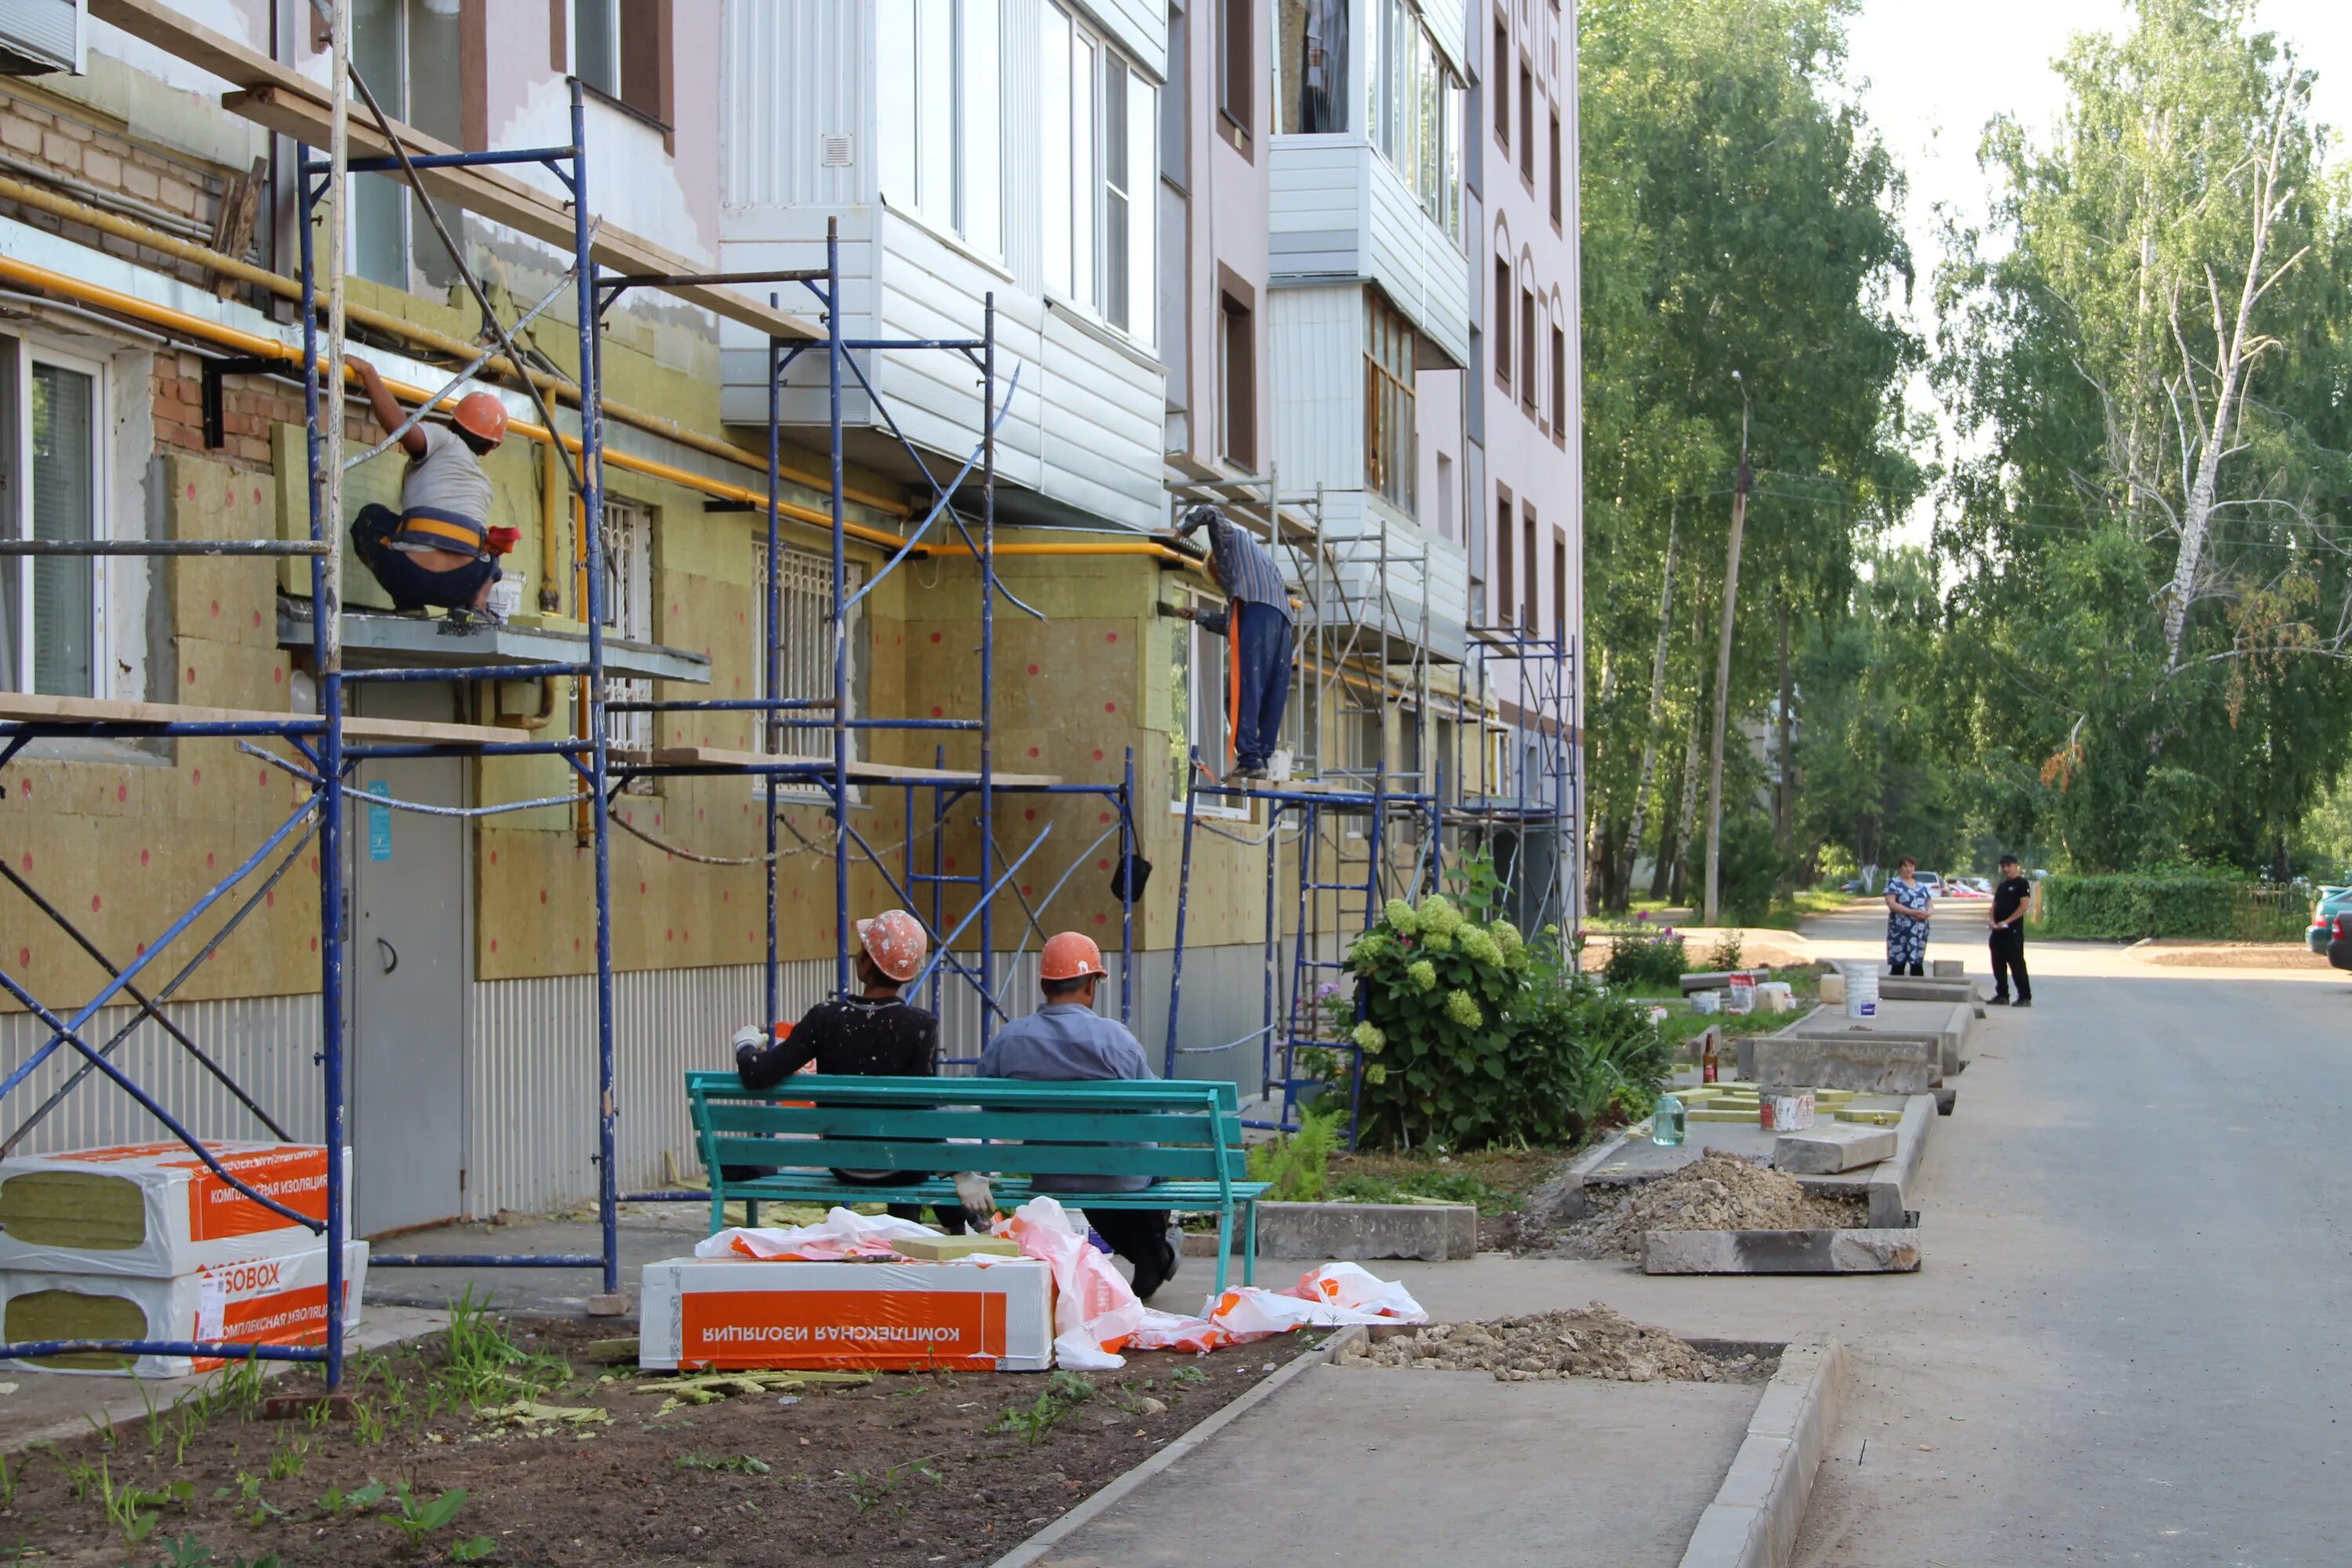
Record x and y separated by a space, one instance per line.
1596 1342
1716 1192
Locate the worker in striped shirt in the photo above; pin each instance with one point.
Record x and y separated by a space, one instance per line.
1256 621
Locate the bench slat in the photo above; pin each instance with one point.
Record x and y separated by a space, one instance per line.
1178 1094
818 1187
997 1126
1058 1159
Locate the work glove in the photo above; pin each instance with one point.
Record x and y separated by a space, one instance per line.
502 541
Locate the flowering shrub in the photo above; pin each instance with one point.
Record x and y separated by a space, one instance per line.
1646 962
1469 1039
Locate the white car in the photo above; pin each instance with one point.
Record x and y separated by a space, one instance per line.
1932 881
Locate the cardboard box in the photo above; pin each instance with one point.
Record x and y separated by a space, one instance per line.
153 1211
280 1300
980 1315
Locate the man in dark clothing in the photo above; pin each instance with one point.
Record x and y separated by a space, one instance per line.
875 1034
2011 897
1066 1039
1256 619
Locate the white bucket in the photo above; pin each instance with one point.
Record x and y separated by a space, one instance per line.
1860 991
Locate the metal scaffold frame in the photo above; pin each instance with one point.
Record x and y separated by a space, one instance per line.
324 754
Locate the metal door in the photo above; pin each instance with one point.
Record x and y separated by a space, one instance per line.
410 975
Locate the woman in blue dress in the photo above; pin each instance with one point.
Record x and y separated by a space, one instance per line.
1908 903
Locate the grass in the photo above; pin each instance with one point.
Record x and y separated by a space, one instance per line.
1497 1179
1064 1392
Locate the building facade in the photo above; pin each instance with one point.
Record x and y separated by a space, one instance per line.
1225 244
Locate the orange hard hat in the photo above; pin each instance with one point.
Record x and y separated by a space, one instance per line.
1069 954
894 940
481 416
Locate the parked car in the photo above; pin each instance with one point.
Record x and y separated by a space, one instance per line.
2339 945
1934 881
2331 902
1967 888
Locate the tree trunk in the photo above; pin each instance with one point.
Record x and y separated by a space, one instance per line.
1713 894
1688 821
1633 850
1784 795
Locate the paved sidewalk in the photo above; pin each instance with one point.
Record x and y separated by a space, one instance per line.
1433 1469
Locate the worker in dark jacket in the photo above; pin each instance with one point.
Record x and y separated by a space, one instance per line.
439 548
1256 621
1065 1040
875 1034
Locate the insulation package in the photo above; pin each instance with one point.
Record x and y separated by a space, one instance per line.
154 1210
280 1300
993 1314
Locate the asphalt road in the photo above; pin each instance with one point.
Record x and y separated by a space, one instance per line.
2132 1347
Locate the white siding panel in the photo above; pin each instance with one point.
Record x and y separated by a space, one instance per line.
1139 28
1339 210
1103 414
265 1043
1317 372
1447 24
770 138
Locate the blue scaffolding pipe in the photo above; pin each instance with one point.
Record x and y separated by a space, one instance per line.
389 165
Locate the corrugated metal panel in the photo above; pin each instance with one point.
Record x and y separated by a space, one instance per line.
796 73
1340 210
1317 373
265 1043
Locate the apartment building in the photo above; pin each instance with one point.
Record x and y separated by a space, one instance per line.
1218 239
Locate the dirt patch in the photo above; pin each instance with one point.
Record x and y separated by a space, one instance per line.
1716 1192
1598 1342
2229 955
595 1469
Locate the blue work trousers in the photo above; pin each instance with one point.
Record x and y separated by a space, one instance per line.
1263 656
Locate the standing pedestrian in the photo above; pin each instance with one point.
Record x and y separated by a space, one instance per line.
1909 901
2011 897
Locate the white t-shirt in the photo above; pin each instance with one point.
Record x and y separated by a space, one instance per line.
447 479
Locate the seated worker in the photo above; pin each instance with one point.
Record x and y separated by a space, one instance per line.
877 1034
1066 1040
440 550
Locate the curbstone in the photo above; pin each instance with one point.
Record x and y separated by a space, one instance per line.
1756 1512
1431 1233
1826 1149
1875 1251
1866 1063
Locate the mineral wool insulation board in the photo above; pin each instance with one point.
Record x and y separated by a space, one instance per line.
155 1211
976 1315
280 1300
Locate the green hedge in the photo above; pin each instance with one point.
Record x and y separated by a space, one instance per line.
2193 904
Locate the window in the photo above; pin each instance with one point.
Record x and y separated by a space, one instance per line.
936 115
1100 117
1312 46
1560 585
1531 615
804 586
1504 579
1527 350
1236 62
1391 449
1562 410
1556 192
1502 323
1527 121
1413 112
621 50
1499 82
407 52
1445 499
1200 693
629 615
1236 411
52 608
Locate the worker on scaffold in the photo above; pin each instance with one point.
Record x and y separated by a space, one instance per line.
1257 626
439 548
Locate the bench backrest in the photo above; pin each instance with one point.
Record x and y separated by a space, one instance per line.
1180 1130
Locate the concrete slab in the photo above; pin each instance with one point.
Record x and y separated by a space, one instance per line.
1828 1148
1858 1059
1780 1252
1754 1519
1431 1233
1910 988
1409 1468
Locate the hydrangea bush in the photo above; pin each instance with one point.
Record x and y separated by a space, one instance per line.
1470 1037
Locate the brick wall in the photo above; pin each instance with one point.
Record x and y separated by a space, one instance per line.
177 195
251 404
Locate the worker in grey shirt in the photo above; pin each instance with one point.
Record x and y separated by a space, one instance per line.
1065 1041
440 548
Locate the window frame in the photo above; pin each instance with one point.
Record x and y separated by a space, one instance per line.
1531 576
1391 456
1505 582
1560 584
1184 691
628 556
1089 171
1500 86
23 572
1559 204
1527 121
1236 63
1235 434
1562 405
960 217
1530 383
1506 364
818 596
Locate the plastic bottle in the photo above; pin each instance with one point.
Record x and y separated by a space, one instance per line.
1666 1122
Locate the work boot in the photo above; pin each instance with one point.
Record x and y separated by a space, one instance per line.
2025 1002
1998 999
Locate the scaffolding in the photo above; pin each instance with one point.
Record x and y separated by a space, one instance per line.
328 743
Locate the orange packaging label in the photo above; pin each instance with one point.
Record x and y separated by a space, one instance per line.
294 1174
882 1329
296 1317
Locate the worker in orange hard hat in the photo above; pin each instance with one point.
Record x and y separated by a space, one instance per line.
874 1034
439 548
1066 1039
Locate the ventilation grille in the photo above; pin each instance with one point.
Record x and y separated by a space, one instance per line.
837 150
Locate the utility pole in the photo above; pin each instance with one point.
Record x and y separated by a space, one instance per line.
1713 904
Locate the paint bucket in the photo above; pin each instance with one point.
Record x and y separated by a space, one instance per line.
1785 1113
1860 991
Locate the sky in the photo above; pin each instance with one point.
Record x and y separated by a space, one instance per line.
1932 74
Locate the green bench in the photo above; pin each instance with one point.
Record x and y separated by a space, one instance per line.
1187 1135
